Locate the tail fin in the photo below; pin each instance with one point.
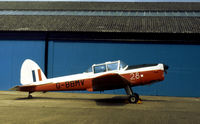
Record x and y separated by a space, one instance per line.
31 72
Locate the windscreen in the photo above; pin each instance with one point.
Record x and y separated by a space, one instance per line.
122 65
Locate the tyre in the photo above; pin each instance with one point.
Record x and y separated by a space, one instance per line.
137 95
30 97
133 99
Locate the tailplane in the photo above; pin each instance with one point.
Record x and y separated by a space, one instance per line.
31 73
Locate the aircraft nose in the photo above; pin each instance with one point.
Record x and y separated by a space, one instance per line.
166 67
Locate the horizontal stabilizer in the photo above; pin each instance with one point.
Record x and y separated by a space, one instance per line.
16 88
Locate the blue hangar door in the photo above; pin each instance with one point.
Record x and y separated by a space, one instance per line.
68 57
12 55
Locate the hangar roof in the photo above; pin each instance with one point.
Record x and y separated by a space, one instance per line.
101 24
114 6
159 23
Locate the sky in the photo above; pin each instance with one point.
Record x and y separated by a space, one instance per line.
116 0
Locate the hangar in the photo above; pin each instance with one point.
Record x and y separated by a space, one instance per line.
67 37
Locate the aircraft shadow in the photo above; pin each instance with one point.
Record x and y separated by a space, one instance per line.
113 101
53 98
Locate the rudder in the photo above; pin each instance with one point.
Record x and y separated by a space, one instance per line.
30 73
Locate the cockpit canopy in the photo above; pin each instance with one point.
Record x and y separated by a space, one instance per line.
107 66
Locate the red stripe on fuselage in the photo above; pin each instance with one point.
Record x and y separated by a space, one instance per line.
39 75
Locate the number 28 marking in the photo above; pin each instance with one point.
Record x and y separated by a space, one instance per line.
135 76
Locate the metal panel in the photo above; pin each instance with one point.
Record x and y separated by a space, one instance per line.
182 79
12 54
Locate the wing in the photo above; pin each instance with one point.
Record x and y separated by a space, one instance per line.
108 82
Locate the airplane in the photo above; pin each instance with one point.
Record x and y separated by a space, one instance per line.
99 77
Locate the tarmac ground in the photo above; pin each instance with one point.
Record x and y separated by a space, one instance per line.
77 108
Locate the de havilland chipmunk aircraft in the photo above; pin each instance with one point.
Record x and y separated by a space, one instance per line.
99 77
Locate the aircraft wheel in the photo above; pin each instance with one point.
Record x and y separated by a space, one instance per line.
30 96
137 95
134 98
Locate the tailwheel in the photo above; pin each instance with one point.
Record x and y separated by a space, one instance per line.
30 96
134 98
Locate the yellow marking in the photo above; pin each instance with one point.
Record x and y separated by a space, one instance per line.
139 102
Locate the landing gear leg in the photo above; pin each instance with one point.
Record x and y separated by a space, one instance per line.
29 95
133 97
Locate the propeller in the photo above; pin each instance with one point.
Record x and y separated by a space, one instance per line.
166 67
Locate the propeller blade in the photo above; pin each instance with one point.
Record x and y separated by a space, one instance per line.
166 67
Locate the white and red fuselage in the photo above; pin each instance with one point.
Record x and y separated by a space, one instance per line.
106 76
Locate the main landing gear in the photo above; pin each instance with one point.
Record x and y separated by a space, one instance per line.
29 95
133 97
